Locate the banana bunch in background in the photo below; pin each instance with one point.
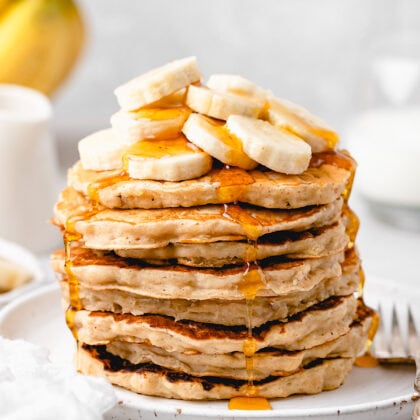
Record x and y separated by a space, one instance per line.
40 41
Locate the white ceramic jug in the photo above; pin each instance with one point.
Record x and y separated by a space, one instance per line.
28 169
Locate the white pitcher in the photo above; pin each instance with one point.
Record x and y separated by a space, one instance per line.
28 169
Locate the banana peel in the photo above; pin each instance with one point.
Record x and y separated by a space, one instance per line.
40 41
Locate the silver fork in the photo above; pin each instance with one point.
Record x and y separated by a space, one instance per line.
398 350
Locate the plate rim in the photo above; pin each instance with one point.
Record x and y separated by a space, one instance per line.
150 406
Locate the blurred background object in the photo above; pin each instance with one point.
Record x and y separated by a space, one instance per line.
384 136
40 41
28 168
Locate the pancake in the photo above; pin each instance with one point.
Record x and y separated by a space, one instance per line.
154 380
178 282
122 229
314 326
270 362
320 242
216 311
321 183
205 287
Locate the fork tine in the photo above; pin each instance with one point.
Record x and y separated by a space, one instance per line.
380 345
413 341
414 347
396 345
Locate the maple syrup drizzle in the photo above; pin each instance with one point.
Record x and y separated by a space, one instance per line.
148 148
161 114
71 235
366 360
301 122
174 100
230 181
234 151
94 188
178 115
158 148
352 226
361 285
340 159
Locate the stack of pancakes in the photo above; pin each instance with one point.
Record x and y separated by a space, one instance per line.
233 282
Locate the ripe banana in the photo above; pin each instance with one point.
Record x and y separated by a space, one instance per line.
166 160
212 137
40 41
133 126
273 147
158 83
220 104
5 4
101 151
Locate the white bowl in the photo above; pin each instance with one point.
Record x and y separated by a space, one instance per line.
13 252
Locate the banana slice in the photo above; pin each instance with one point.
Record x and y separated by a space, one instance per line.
166 160
101 151
158 83
220 105
213 137
298 120
238 85
280 112
133 126
273 147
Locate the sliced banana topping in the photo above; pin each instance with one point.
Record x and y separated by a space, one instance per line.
298 120
220 104
238 85
213 137
273 147
101 151
280 112
235 121
133 126
158 83
168 160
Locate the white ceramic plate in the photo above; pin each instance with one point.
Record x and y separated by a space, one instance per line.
375 393
20 255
